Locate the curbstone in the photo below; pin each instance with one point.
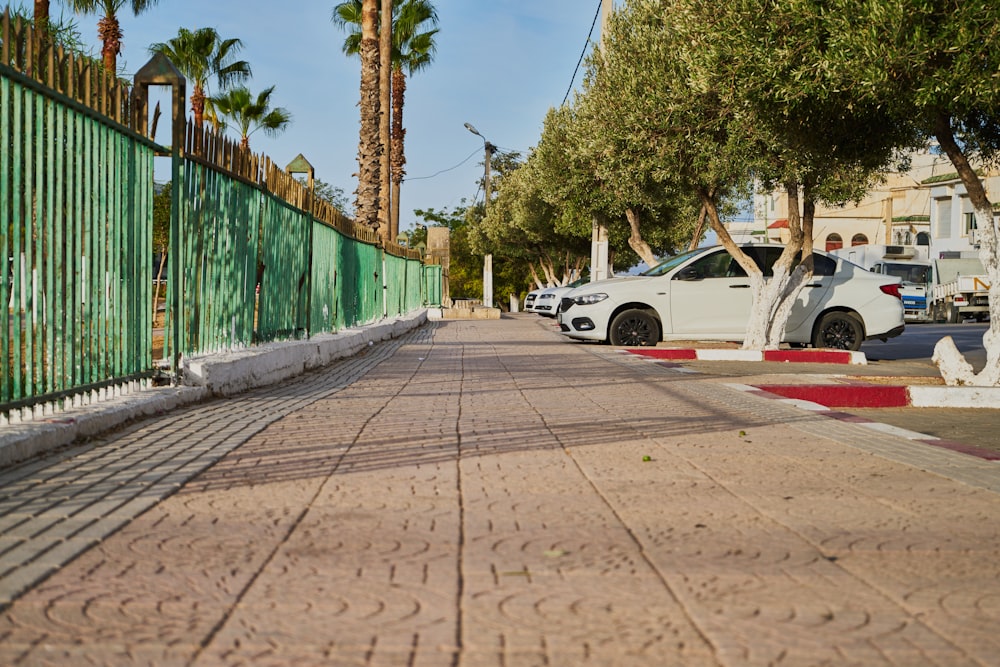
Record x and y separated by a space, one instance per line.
223 374
723 354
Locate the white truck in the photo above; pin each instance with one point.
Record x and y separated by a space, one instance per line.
908 263
947 289
960 290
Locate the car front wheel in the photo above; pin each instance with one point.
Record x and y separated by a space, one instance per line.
840 331
634 327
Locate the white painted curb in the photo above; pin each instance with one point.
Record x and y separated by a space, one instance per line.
954 397
210 375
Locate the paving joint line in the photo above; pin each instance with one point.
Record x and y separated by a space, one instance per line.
62 470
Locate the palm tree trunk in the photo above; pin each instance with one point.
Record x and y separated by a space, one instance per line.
198 105
110 33
397 155
385 102
369 149
41 14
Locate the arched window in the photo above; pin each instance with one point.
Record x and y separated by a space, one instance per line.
923 238
833 242
859 239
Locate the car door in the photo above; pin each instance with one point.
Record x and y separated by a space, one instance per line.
710 296
812 294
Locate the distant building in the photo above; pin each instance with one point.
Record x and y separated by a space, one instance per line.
926 206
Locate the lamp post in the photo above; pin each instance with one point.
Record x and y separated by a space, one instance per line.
488 260
599 269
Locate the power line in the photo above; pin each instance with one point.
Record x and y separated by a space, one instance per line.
584 53
444 171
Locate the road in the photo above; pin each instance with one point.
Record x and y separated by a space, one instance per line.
918 341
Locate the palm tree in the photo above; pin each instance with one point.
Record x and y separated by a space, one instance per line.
413 49
109 30
248 114
41 15
413 36
200 55
362 18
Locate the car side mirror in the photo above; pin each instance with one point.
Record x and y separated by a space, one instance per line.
688 273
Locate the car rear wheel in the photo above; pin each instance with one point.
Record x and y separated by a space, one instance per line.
634 327
840 331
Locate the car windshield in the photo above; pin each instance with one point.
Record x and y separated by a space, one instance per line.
671 263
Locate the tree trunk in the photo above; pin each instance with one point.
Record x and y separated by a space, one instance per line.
699 230
41 15
398 157
110 33
635 240
384 123
369 148
774 299
198 105
953 366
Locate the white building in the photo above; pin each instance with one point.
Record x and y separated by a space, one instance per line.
927 205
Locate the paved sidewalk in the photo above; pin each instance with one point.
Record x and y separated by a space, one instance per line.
484 493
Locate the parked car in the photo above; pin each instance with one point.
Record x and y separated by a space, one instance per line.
529 301
705 295
549 300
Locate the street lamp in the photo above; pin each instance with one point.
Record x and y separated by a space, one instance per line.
489 148
488 260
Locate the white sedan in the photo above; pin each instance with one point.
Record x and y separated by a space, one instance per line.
705 295
548 301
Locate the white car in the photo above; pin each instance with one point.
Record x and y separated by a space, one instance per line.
705 295
529 300
548 301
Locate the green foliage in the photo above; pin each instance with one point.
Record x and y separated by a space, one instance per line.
161 217
64 31
248 114
333 195
465 276
200 55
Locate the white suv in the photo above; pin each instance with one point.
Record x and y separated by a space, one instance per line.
705 295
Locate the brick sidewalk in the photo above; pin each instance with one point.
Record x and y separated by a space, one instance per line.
485 493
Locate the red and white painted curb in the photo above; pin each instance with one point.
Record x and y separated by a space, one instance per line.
837 395
829 396
791 356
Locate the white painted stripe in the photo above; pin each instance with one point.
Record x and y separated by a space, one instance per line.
895 430
729 355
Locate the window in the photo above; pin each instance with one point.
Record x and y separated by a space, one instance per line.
943 209
822 266
969 223
859 239
833 242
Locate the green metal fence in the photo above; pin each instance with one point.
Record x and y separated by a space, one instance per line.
253 258
75 223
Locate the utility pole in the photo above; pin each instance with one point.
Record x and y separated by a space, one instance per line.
599 269
488 260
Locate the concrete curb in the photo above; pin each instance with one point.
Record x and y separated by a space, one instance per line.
203 377
842 396
788 356
889 396
813 399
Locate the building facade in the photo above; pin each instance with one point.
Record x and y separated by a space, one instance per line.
926 206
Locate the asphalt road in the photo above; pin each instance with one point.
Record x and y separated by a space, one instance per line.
918 341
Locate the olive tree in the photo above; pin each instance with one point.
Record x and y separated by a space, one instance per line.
718 113
584 181
936 66
521 224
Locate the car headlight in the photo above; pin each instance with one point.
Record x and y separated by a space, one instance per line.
587 299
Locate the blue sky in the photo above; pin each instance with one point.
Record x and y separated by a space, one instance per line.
500 65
